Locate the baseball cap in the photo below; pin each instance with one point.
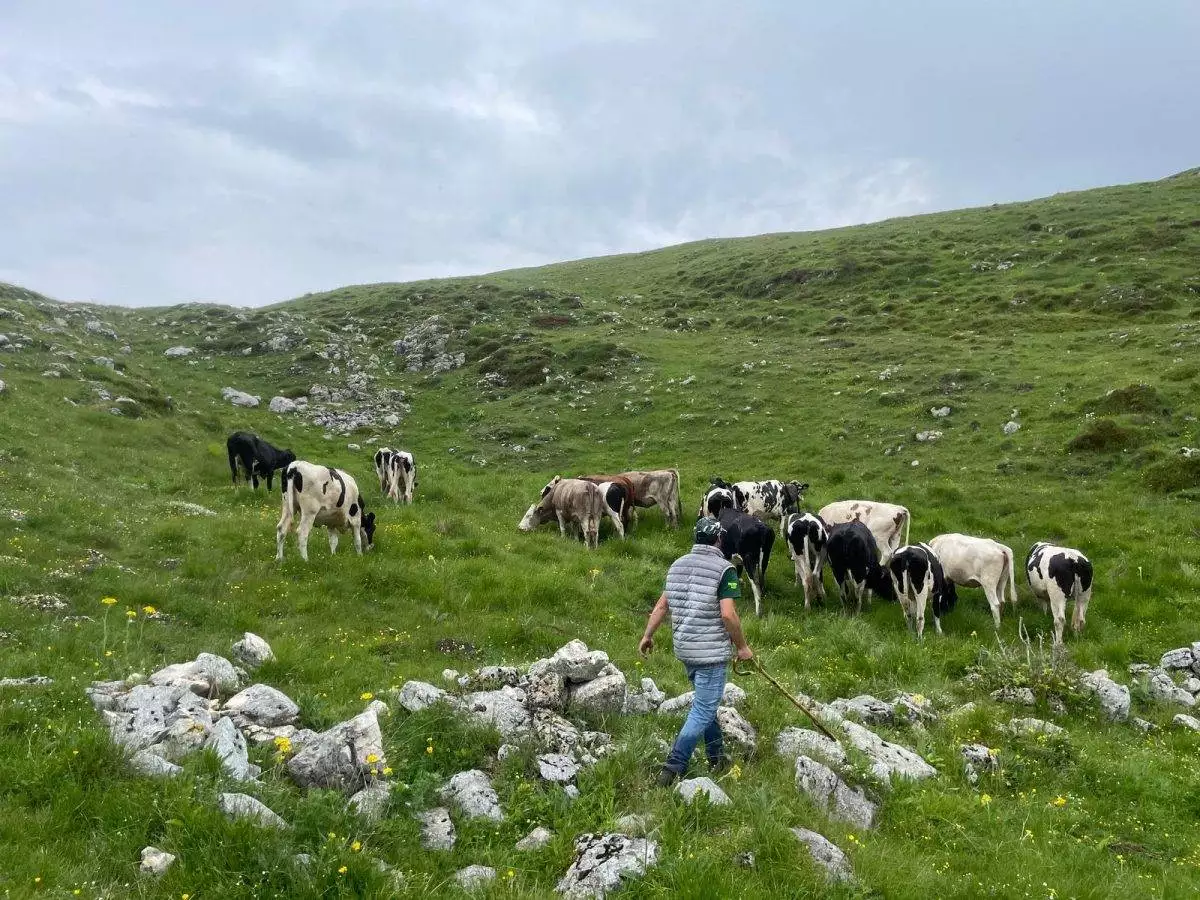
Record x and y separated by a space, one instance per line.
707 530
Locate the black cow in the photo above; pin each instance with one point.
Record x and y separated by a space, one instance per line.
747 543
854 557
258 458
918 579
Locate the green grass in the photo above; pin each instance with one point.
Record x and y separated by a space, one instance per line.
1090 334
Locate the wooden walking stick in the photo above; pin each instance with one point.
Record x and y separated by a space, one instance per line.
758 668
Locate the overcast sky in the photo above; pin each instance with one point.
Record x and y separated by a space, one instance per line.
247 152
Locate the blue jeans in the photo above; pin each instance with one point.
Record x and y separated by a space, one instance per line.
709 685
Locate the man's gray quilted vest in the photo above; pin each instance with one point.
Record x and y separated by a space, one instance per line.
698 633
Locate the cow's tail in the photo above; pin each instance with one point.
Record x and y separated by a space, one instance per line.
907 522
232 461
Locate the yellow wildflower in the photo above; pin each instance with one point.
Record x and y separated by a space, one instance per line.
131 613
511 874
149 610
387 771
108 653
342 870
366 695
1060 801
356 846
372 758
109 601
985 799
429 749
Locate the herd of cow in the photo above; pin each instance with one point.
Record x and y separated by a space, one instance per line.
864 542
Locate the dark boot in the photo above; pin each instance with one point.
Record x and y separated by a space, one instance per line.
666 777
719 765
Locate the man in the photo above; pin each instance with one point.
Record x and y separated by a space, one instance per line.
700 592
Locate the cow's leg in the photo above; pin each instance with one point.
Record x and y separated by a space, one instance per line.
356 530
921 599
615 518
989 591
562 523
1058 608
1079 613
281 530
333 541
302 532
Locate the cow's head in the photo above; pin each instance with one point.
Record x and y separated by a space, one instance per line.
715 501
286 458
368 527
538 514
719 483
793 493
879 580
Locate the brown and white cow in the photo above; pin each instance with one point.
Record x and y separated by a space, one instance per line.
887 521
322 496
658 487
978 562
571 501
620 497
397 473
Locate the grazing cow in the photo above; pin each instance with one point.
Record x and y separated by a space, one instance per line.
258 458
322 496
620 498
769 499
978 562
806 536
718 497
397 473
747 544
854 557
888 522
572 501
658 487
918 581
1056 575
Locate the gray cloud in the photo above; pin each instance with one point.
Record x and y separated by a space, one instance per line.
246 153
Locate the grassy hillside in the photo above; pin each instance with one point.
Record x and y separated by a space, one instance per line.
816 356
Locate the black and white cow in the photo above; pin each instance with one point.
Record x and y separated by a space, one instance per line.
397 471
750 541
854 557
1056 575
806 536
769 499
887 521
919 582
718 497
978 562
258 458
322 496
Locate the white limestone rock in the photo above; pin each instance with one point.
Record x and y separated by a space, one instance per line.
156 862
437 829
535 840
1113 697
826 855
243 806
691 788
829 791
473 794
603 862
252 651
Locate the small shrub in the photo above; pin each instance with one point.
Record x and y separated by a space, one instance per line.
1172 475
1106 436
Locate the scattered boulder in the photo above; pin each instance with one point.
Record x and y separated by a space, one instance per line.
104 362
916 709
1191 684
474 877
263 706
252 651
1113 697
1180 658
794 742
146 763
547 690
1142 725
1163 688
826 855
240 398
976 759
737 731
574 662
491 678
243 806
605 693
928 436
939 412
283 405
208 675
27 681
603 861
632 823
646 700
732 696
230 747
887 759
554 732
342 758
1011 428
1019 696
557 767
178 352
472 792
371 802
866 709
1186 721
437 830
535 840
504 709
691 788
416 696
156 862
830 792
